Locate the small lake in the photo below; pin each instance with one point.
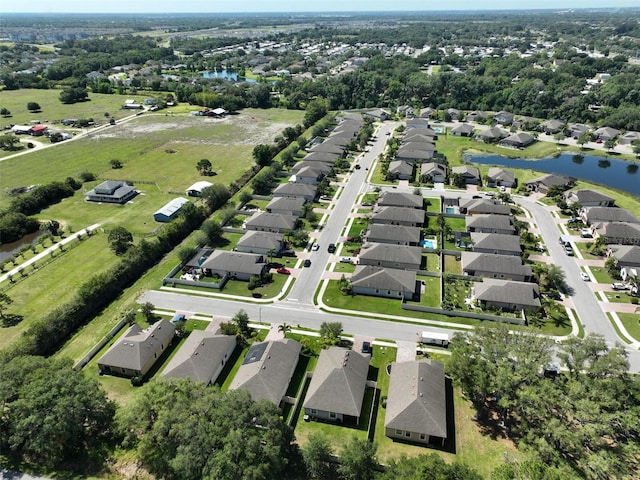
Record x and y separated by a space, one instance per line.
610 172
226 75
7 250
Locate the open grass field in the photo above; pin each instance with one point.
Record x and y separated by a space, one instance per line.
53 110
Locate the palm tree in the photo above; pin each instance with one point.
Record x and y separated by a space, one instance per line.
284 328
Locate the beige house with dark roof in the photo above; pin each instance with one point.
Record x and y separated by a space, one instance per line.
399 199
416 406
410 217
507 295
261 243
502 224
384 282
392 234
336 390
495 266
496 243
201 357
135 352
391 256
267 370
238 265
271 222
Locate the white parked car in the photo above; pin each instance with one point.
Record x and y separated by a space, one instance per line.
585 276
316 247
346 260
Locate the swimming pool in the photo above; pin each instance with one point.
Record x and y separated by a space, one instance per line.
428 244
450 210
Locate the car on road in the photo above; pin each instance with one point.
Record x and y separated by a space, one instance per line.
316 247
331 248
357 167
568 250
307 263
284 271
619 286
346 260
585 276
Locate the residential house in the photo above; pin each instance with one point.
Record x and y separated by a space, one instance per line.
324 167
377 114
416 406
336 390
518 140
267 370
262 243
271 222
286 206
504 118
544 183
453 113
588 198
483 207
135 352
405 111
629 137
507 294
410 217
201 357
489 265
308 192
420 129
392 234
238 265
427 112
576 130
322 157
625 255
433 172
492 135
553 126
311 175
525 123
418 123
420 140
499 177
400 170
498 244
391 256
196 189
594 215
476 115
502 224
470 175
384 282
462 130
606 133
171 210
407 154
400 199
111 191
622 233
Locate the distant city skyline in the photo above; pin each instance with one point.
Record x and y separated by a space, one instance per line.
298 6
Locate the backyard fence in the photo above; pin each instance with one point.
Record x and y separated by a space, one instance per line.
98 346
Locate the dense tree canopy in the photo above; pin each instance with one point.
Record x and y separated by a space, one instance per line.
588 419
185 430
51 413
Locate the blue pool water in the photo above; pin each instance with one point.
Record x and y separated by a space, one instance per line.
450 210
427 244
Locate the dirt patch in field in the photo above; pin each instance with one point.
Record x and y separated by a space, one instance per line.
239 129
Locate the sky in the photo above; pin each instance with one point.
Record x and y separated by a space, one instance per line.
247 6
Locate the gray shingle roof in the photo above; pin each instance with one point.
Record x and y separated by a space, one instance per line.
412 154
393 233
493 133
241 262
500 174
401 167
200 356
267 374
400 213
551 180
626 254
295 189
417 136
323 167
466 170
290 204
323 157
484 206
329 148
255 239
488 262
610 214
391 253
498 222
619 230
137 346
339 382
417 398
463 128
369 276
496 241
433 167
587 196
271 220
399 199
508 292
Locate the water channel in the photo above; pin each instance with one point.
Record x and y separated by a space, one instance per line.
607 171
7 250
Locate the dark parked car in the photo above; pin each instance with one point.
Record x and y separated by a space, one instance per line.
307 263
331 248
366 347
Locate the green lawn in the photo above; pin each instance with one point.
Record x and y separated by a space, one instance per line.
434 205
457 224
239 287
601 275
452 265
56 282
357 226
344 267
431 295
585 249
631 322
619 297
432 262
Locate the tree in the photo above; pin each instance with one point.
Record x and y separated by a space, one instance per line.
5 301
8 141
316 109
430 466
218 435
147 309
610 144
358 459
241 320
583 140
635 145
216 196
330 333
204 167
185 254
263 154
284 328
318 455
115 164
51 413
33 107
213 230
120 240
74 95
559 137
245 197
5 112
